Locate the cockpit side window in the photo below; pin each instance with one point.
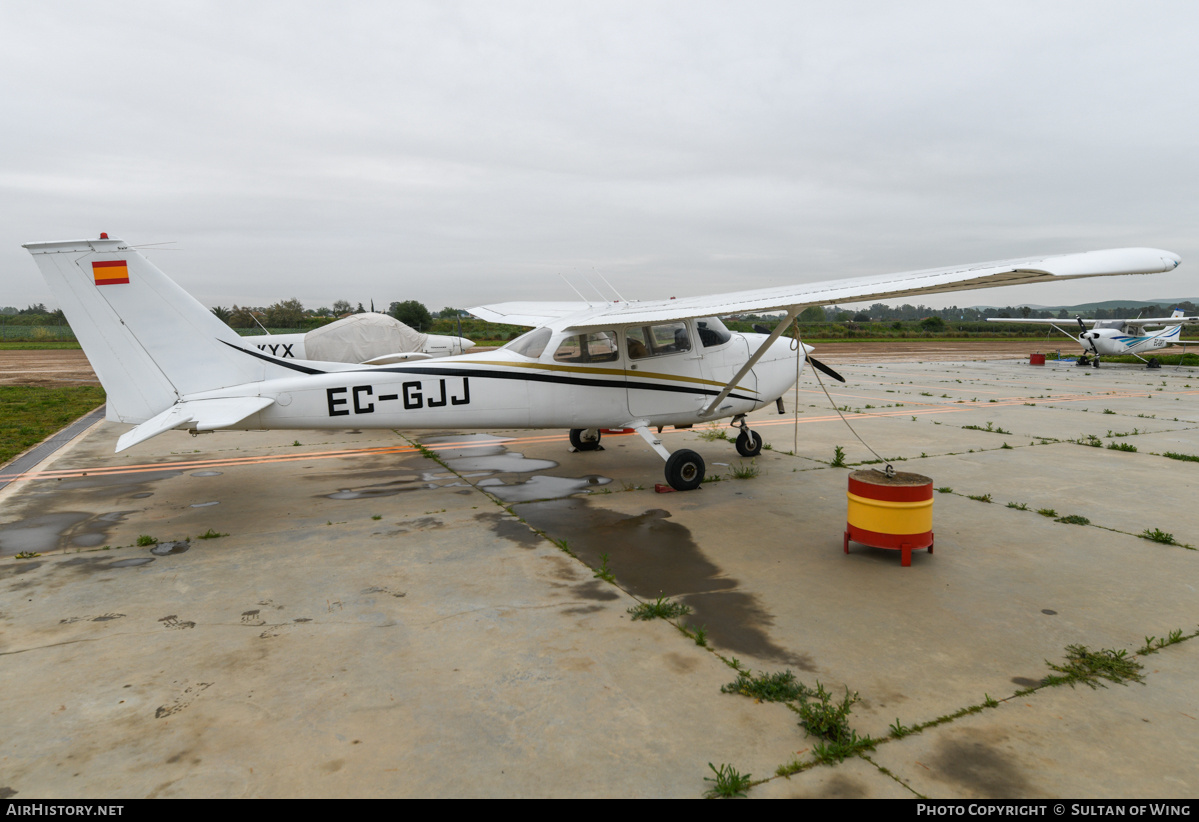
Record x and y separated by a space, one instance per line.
531 344
657 340
712 332
596 346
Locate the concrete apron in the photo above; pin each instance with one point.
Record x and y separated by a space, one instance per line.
449 649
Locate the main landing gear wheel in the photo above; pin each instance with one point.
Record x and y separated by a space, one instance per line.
749 443
1153 363
585 439
684 470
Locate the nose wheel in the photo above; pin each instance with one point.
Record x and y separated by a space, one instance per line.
585 439
749 443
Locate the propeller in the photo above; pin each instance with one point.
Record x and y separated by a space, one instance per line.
817 364
1083 335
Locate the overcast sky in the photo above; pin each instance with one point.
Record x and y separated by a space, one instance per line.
460 153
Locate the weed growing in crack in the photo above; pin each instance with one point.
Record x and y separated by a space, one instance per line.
1153 644
777 687
662 608
604 572
1090 667
727 784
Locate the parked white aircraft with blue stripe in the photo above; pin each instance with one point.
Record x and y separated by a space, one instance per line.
166 362
1110 338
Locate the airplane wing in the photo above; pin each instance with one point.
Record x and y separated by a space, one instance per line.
533 314
1068 321
1162 321
888 286
1074 321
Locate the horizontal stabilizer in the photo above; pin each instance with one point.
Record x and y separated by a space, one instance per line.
200 415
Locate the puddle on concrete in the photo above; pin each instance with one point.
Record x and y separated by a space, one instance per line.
510 529
131 563
203 504
544 487
166 549
383 489
63 529
112 486
651 556
92 564
509 463
486 453
207 473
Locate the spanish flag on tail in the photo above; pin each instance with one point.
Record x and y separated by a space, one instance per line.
111 272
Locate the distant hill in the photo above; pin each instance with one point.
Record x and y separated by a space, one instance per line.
1085 308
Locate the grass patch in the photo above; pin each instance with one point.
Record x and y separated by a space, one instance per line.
838 457
990 427
727 784
662 608
1153 644
32 413
1019 506
944 489
980 497
744 470
1091 667
209 534
777 687
714 433
1073 519
1047 512
1121 446
146 539
1158 535
1174 455
604 572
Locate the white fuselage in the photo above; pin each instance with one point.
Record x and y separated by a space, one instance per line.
1133 340
504 389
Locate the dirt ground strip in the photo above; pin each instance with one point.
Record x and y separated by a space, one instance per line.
50 368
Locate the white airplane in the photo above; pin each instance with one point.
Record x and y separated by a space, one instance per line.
168 363
366 339
1111 338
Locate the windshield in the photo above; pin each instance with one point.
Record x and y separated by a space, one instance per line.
531 344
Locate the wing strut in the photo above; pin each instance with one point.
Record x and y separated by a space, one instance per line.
792 313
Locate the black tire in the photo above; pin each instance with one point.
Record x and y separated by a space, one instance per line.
1154 363
749 443
684 470
585 439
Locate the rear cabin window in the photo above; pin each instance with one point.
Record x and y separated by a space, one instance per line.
597 346
657 340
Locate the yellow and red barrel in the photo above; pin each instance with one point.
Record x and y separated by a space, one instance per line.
893 512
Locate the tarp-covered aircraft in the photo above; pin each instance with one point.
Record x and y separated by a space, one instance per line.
167 363
366 339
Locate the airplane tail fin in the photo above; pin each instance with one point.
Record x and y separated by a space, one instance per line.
1178 312
149 341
